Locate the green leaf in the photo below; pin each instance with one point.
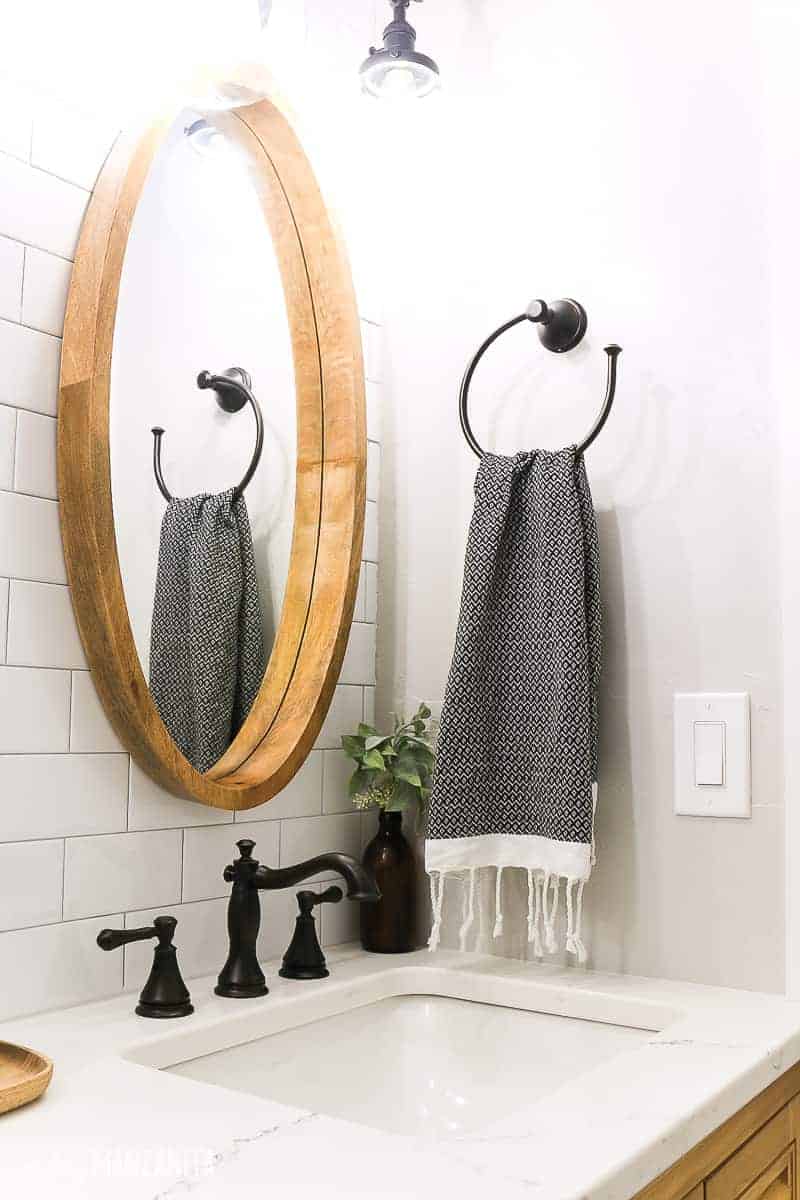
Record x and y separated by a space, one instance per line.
374 760
408 777
360 781
366 731
377 740
352 746
423 711
404 796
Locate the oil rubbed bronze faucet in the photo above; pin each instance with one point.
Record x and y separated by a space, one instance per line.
242 978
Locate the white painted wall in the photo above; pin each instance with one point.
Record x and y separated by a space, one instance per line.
613 152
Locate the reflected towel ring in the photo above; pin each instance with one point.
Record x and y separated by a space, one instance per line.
232 395
561 327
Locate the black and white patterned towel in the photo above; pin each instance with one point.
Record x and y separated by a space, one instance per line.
206 643
516 775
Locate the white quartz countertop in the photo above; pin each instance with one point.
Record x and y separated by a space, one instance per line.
112 1125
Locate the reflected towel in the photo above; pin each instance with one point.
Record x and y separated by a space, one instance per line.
516 772
207 654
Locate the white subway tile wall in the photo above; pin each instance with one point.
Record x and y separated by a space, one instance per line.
88 840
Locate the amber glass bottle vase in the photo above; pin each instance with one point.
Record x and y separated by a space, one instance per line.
389 926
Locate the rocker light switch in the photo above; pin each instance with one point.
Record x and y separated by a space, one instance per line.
709 753
712 754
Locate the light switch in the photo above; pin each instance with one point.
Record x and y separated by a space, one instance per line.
709 753
712 754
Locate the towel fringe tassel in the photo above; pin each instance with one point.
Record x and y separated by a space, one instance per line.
498 904
437 898
543 900
469 909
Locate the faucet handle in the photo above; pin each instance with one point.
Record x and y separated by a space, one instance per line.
244 864
165 994
304 958
163 928
307 901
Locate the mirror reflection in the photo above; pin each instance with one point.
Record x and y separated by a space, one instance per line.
203 511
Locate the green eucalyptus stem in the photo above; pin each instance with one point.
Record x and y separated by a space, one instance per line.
393 771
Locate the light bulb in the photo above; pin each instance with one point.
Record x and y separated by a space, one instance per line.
398 83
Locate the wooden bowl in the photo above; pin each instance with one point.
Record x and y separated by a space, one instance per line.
24 1075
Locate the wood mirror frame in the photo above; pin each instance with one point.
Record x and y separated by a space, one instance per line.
330 477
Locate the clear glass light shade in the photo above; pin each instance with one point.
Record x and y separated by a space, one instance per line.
206 139
397 78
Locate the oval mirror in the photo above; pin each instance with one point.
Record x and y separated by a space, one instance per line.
212 450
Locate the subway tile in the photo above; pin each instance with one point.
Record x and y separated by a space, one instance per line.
336 777
151 807
30 367
30 539
121 871
12 255
361 596
90 730
3 618
208 851
373 470
30 883
369 705
359 659
39 209
34 710
8 437
371 531
63 966
62 795
201 939
372 341
35 455
340 922
374 394
302 796
343 716
16 119
371 596
307 837
44 296
69 144
41 628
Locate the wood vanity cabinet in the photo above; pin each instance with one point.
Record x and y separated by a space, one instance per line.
753 1156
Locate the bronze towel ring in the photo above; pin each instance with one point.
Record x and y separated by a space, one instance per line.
561 327
232 395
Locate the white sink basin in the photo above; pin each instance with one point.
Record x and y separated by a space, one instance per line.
424 1065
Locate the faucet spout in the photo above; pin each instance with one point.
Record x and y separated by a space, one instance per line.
361 884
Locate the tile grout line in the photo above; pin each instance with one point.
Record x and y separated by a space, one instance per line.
22 282
8 620
33 328
44 171
10 237
69 713
63 875
15 446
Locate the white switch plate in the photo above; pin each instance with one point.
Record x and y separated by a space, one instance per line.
731 797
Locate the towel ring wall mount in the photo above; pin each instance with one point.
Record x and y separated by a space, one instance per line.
233 389
561 326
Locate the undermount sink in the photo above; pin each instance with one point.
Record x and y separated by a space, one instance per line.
423 1065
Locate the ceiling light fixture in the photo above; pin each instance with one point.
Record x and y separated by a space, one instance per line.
398 70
